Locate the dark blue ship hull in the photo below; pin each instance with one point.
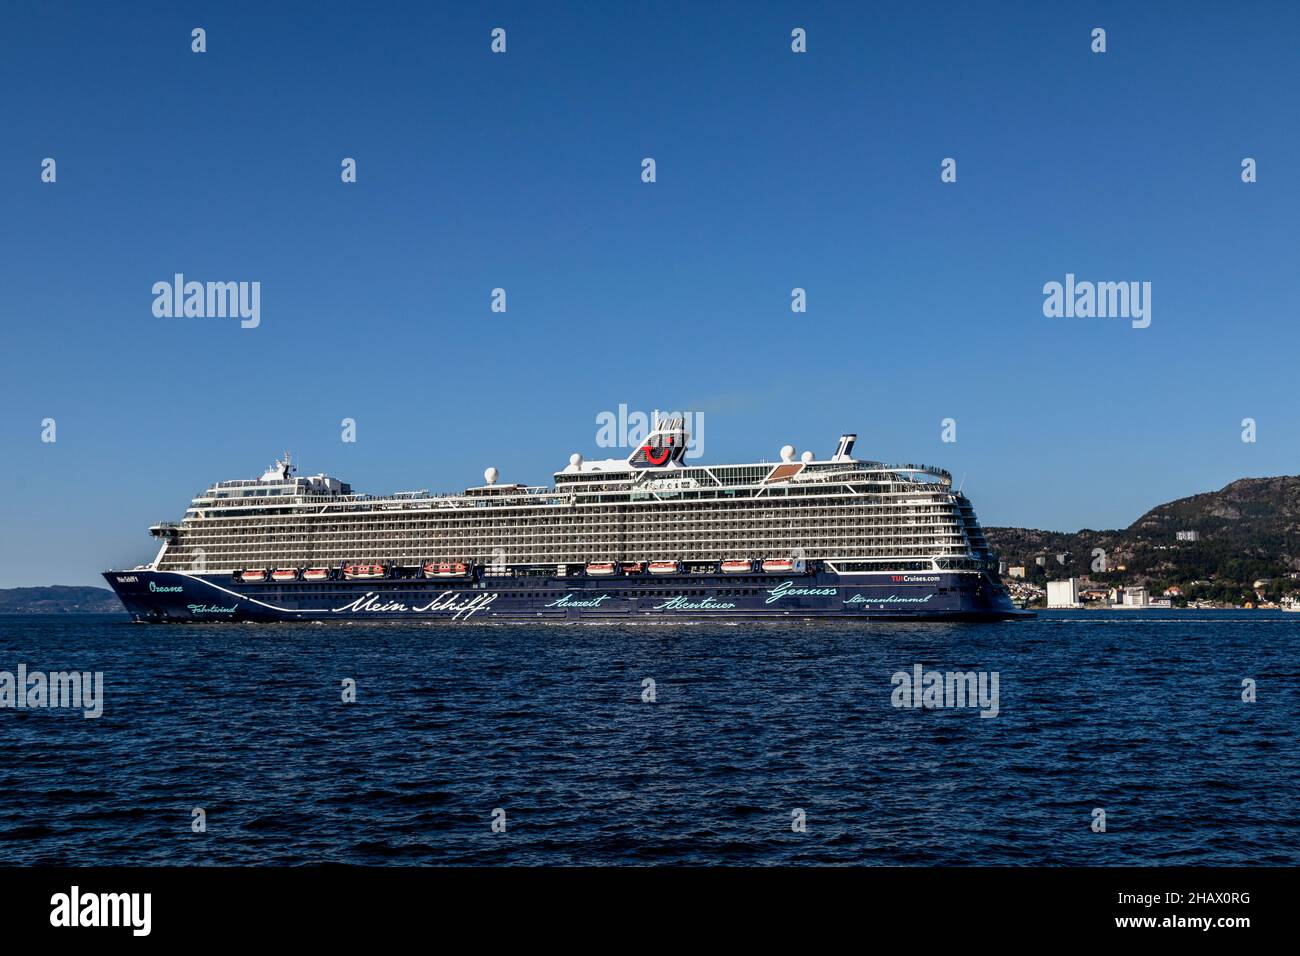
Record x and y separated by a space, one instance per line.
156 596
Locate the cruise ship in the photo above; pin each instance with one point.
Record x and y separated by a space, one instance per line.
649 537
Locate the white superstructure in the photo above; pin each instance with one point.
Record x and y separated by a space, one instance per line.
857 516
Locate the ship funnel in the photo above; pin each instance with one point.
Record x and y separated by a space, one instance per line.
663 447
844 450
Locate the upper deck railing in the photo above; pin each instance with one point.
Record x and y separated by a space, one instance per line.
902 471
923 469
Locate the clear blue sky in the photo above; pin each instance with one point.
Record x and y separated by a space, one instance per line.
522 170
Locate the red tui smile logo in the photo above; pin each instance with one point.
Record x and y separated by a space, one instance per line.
663 456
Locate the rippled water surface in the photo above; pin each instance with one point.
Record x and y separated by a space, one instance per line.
1139 713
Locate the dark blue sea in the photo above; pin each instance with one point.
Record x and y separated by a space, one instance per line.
1139 713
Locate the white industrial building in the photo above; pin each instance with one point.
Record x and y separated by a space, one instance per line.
1063 594
1136 597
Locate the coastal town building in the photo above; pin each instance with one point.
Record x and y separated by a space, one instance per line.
1136 597
1063 594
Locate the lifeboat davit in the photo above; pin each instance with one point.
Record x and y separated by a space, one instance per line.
316 574
445 569
663 567
778 565
737 567
601 568
253 575
358 571
284 574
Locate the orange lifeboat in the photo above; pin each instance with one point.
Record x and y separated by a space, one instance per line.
445 569
359 571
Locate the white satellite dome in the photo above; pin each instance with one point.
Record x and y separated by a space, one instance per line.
806 457
490 475
787 452
575 460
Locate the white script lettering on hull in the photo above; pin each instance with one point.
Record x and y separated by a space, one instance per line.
449 602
